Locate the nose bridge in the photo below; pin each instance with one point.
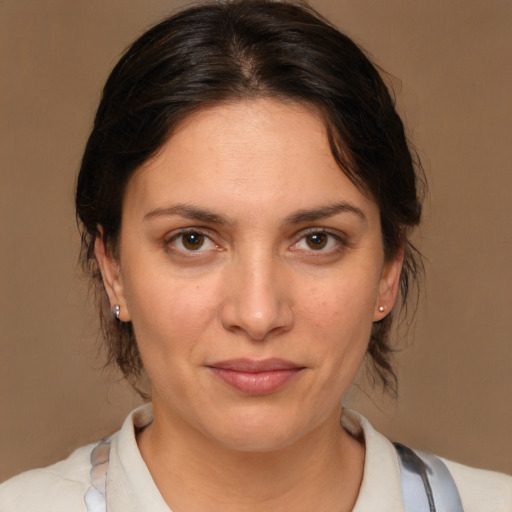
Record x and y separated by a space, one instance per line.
257 300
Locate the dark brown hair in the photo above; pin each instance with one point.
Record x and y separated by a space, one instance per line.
244 49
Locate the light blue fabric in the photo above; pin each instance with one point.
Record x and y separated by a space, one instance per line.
95 497
427 485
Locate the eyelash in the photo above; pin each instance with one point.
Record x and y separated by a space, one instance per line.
335 238
168 242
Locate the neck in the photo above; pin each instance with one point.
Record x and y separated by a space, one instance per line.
322 471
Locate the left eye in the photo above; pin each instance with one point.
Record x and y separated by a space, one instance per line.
317 241
191 241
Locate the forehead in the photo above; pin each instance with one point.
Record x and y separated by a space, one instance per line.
239 131
260 151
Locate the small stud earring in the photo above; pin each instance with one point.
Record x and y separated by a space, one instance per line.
116 311
382 309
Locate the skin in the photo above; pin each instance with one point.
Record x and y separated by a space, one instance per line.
254 286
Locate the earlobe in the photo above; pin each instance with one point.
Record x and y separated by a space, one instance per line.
111 276
389 286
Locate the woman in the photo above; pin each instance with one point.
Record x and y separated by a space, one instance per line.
246 197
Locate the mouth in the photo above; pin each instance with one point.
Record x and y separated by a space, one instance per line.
253 377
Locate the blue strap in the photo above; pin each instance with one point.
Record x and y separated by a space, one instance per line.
427 485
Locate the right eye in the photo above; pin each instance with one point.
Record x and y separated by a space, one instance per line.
190 241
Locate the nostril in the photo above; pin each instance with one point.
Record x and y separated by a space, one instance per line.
257 324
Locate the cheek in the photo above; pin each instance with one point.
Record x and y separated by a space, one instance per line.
344 304
168 313
170 317
340 314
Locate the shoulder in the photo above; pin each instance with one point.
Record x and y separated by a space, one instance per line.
56 488
481 490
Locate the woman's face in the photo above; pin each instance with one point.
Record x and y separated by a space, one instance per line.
252 270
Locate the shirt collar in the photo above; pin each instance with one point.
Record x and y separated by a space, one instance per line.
130 487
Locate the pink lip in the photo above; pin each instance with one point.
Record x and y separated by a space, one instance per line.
256 377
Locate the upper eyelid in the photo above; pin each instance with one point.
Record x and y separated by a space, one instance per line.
340 241
175 234
336 233
319 229
340 236
208 232
182 231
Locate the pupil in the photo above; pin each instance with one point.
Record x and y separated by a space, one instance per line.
317 241
193 241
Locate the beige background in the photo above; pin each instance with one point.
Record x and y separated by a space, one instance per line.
453 59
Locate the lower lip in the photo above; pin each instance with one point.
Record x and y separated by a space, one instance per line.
259 383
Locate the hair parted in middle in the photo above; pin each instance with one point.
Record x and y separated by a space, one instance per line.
242 50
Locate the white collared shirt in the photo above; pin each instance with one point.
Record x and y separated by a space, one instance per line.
61 487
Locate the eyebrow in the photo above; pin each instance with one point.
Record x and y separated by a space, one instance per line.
203 215
312 214
189 212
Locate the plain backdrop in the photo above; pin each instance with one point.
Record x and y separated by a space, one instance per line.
452 59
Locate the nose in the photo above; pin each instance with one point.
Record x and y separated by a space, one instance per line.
257 300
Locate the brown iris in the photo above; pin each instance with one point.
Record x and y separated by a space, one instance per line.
317 241
193 241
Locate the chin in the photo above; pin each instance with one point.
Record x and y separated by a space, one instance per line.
256 432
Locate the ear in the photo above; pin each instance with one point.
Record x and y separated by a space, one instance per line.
111 276
389 285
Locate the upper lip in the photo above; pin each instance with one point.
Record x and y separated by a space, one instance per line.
255 366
